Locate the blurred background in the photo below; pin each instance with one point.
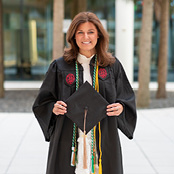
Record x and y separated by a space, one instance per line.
28 35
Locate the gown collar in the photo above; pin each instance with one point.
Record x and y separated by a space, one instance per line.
83 59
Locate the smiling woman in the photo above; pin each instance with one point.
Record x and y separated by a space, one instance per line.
86 71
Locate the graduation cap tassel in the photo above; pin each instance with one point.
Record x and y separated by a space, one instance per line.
85 153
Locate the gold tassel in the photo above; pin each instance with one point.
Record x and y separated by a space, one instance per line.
84 153
84 142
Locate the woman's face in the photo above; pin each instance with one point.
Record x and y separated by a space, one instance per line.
86 38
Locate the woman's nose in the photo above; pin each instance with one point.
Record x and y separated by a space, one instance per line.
86 35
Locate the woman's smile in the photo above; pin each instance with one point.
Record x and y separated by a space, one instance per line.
86 42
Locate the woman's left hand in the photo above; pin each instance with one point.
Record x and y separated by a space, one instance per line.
114 109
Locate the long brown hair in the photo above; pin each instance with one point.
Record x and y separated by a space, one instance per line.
104 57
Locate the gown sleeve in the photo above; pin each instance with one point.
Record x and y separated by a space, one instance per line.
125 96
45 101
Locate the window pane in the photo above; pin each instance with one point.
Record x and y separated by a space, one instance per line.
27 38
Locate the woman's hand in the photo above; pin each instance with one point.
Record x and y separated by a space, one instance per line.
114 109
60 108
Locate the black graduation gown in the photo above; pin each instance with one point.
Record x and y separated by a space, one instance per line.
59 84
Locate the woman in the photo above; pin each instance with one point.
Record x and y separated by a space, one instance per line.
88 51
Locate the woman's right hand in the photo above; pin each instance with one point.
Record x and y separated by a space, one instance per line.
60 108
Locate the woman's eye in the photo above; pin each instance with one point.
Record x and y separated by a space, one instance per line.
80 32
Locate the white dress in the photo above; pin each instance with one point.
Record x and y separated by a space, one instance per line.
84 61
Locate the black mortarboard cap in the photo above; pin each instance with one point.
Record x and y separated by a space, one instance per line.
86 98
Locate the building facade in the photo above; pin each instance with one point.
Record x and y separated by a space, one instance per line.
28 27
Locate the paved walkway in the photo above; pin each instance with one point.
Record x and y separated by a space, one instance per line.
23 150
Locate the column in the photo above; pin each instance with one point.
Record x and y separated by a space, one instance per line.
125 34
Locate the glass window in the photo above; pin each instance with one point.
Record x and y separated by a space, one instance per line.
27 38
28 27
